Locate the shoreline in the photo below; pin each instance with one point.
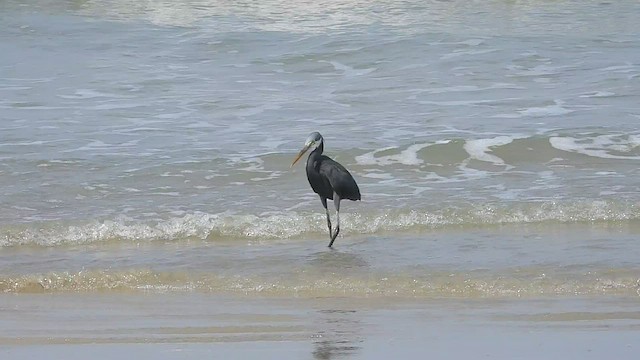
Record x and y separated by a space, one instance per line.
194 325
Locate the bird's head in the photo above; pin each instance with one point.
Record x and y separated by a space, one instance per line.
313 141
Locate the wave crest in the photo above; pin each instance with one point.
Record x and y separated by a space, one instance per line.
525 283
209 227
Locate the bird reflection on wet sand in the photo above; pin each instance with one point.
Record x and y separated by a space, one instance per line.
339 334
337 329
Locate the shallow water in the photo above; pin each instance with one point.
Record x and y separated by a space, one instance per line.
504 262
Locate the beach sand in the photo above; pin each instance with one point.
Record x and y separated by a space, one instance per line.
194 325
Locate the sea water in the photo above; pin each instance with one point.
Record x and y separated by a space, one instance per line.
147 147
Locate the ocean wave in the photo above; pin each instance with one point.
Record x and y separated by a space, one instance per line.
505 149
610 146
290 225
508 283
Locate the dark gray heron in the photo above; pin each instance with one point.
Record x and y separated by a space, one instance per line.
328 179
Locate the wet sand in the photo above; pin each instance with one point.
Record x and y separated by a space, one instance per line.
194 325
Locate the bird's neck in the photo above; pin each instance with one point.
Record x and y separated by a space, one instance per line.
315 153
320 148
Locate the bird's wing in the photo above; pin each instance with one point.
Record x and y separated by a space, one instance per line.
340 179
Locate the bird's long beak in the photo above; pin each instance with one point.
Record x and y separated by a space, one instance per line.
304 150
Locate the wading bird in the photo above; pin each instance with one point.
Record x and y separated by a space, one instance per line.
328 179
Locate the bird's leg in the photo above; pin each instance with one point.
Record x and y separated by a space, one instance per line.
336 202
324 203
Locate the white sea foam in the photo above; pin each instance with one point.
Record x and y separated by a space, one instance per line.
627 68
479 148
473 42
290 224
598 94
552 110
521 281
378 175
408 156
254 164
270 176
599 146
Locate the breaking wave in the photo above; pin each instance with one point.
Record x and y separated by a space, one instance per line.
509 283
289 225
